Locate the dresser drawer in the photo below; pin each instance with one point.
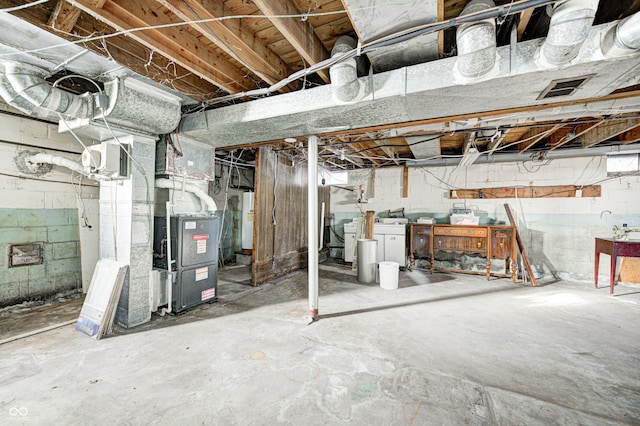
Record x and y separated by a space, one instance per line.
460 231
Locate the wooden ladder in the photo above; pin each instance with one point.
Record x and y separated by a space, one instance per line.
525 259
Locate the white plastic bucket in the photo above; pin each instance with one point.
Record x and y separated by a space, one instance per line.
389 272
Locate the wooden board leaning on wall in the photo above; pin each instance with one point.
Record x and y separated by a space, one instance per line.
557 191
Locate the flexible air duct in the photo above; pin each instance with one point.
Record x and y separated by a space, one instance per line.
345 86
180 185
624 38
26 89
476 42
570 24
132 104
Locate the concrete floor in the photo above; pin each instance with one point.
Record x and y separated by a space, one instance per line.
442 349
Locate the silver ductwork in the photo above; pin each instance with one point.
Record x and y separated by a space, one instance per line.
624 38
180 185
24 87
571 21
476 42
132 105
345 85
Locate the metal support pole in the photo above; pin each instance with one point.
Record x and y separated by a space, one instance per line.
312 214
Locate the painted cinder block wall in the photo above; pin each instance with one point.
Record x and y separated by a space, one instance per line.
50 209
558 232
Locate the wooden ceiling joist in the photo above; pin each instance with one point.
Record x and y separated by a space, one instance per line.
298 32
576 133
535 136
175 43
607 131
64 17
232 36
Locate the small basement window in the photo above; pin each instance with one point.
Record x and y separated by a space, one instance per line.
26 254
564 87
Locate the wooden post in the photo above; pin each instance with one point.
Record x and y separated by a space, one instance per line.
405 182
368 233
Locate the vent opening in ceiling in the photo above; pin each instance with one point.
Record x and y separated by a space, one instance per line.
564 87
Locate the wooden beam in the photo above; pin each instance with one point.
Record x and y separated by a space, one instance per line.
175 43
405 181
577 132
388 151
231 35
536 135
523 21
555 191
298 32
608 130
440 33
64 17
630 136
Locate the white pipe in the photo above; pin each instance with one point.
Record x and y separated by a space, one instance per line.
312 222
64 162
203 196
169 260
622 39
571 21
321 226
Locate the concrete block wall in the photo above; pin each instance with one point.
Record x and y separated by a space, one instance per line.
558 232
58 230
49 208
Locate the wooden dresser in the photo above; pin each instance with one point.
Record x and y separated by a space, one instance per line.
489 242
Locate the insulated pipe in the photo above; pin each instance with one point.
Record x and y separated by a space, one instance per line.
63 162
476 42
571 21
622 39
312 222
345 86
32 94
517 157
203 196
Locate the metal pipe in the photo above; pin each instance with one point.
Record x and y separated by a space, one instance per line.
476 42
345 85
312 222
321 226
182 185
169 259
513 157
622 39
571 21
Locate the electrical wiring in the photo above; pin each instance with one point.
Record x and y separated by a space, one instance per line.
197 21
24 6
399 37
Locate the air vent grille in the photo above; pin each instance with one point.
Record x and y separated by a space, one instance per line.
564 87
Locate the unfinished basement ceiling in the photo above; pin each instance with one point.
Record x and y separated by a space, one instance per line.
211 63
